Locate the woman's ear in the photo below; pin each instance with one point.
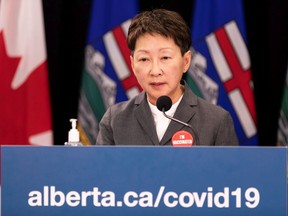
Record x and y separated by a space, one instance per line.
132 62
187 60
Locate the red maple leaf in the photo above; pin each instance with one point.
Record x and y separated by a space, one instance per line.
25 111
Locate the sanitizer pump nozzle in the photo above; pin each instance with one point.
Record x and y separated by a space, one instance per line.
73 135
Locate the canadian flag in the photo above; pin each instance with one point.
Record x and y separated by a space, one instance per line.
25 115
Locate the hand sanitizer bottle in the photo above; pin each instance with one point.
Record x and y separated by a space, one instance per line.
73 135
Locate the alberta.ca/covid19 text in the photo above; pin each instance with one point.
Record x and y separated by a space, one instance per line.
227 198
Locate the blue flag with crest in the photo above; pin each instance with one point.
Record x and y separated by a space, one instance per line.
107 76
220 71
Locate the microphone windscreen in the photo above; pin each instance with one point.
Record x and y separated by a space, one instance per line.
164 102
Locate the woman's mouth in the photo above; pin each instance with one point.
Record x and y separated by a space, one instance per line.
157 84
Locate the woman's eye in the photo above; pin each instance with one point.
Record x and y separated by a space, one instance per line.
143 59
165 58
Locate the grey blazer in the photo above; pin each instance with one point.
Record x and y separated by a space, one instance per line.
131 123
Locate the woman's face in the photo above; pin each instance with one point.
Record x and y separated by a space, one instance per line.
158 66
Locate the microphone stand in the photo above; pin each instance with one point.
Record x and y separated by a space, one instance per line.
183 123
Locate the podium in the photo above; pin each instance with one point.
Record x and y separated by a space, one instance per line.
61 180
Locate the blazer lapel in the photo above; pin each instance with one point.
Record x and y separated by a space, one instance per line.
145 118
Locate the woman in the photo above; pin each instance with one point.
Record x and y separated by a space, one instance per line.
160 42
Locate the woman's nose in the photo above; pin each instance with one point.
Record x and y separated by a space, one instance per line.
156 69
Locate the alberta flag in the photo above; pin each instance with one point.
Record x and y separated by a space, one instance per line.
107 77
25 115
220 70
283 119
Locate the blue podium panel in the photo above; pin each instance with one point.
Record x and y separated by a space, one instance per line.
143 181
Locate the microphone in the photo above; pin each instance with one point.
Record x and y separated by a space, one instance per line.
164 103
